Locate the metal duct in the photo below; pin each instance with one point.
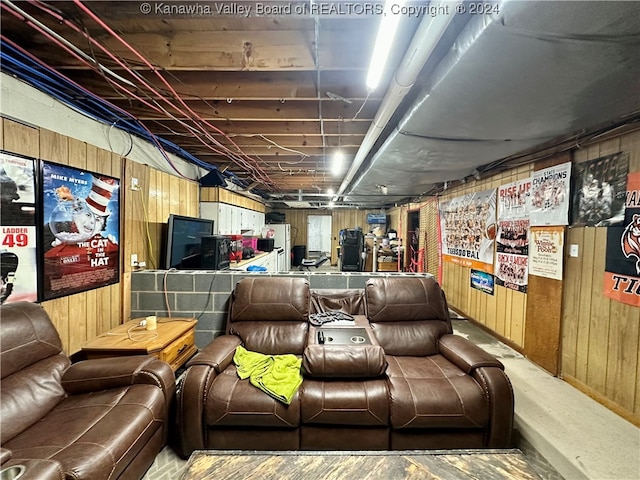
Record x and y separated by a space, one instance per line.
543 71
426 38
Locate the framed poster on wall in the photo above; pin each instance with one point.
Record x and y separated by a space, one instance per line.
81 230
18 238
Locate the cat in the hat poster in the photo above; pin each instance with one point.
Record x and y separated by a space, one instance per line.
81 231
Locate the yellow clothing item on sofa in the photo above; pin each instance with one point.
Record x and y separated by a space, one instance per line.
277 375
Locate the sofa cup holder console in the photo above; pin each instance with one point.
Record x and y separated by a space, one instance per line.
12 473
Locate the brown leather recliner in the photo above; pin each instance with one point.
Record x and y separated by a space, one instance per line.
96 419
445 392
415 386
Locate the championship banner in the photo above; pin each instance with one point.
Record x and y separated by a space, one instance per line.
546 252
81 231
468 230
549 199
18 252
622 265
600 190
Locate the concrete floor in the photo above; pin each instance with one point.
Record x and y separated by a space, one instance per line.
577 436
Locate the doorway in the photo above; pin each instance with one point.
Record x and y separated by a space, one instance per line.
319 235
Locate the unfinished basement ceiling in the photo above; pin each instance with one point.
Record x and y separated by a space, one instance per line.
268 98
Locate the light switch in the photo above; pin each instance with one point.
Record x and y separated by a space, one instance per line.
573 250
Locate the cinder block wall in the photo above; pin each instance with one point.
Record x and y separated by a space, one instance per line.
204 295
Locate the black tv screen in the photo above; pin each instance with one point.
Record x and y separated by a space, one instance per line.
184 235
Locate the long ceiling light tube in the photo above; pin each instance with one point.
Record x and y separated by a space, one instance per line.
422 45
382 45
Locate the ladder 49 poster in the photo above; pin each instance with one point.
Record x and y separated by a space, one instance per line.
622 267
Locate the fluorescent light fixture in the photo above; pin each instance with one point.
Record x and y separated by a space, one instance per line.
337 162
384 41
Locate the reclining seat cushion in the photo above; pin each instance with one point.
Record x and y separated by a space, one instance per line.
79 432
270 314
235 402
431 392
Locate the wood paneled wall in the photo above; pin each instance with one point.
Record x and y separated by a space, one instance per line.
85 315
145 212
340 219
504 312
600 337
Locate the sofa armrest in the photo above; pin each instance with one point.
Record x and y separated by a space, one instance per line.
465 355
5 455
218 354
190 404
104 373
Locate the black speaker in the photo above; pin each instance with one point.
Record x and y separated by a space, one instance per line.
213 179
215 251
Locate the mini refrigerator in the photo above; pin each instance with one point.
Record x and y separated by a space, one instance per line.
282 239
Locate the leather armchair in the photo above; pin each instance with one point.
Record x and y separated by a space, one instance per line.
97 419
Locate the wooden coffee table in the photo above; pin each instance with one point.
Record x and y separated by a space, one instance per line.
173 341
392 465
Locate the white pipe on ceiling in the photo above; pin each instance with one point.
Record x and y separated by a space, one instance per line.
424 41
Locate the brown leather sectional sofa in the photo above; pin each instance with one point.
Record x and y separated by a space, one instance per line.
93 420
411 384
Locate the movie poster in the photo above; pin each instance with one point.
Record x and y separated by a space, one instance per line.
546 252
81 230
549 199
622 265
599 191
468 230
18 252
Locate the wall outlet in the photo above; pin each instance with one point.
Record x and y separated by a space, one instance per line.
135 185
134 259
574 250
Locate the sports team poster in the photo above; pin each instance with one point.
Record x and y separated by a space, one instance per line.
546 252
513 236
622 265
18 258
468 230
81 230
513 199
549 199
599 191
512 271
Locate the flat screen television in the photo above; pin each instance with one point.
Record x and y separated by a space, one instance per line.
183 239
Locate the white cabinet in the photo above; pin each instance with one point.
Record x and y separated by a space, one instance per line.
230 219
